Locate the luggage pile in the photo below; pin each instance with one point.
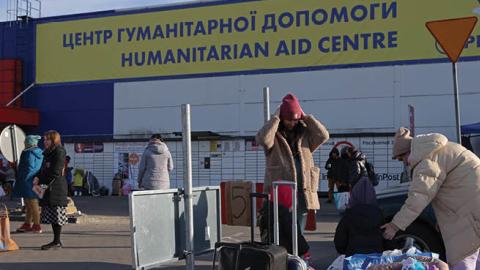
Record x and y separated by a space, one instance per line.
412 259
294 261
254 255
250 255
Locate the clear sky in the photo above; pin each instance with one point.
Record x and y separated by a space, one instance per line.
63 7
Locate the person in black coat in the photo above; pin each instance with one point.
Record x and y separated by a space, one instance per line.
357 165
331 167
52 187
342 171
358 232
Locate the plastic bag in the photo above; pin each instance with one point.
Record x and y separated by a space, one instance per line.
412 264
357 261
341 200
337 264
413 251
126 189
363 261
39 190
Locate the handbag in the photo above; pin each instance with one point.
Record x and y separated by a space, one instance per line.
39 190
311 221
341 200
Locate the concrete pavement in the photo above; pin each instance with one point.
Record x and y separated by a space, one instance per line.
102 240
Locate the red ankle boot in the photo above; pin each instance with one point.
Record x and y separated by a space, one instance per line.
25 228
36 228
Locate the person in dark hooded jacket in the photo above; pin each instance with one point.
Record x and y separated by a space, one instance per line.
357 165
331 167
156 163
342 171
358 232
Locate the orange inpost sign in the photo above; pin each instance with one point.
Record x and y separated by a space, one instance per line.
452 34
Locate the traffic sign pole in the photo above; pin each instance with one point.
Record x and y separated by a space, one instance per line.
13 136
457 102
452 35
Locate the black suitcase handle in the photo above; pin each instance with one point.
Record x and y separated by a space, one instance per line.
253 196
276 237
238 247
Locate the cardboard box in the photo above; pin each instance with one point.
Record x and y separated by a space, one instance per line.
237 203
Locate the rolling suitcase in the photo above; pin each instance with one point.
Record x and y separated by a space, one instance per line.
250 255
294 261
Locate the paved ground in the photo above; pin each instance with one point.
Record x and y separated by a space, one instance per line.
102 241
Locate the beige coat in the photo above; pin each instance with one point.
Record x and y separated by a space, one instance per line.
280 163
448 175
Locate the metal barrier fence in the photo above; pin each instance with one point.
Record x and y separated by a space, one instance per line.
157 220
216 161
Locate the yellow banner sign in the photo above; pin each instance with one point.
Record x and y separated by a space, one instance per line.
244 37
